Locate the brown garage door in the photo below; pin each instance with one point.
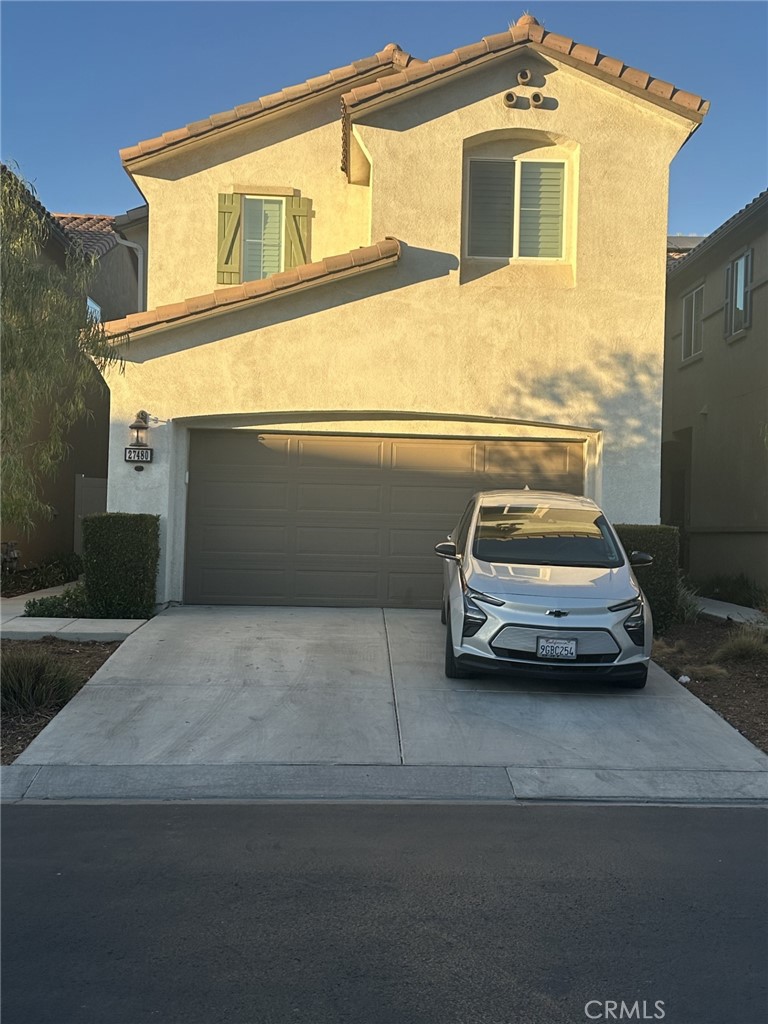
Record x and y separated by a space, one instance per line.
338 520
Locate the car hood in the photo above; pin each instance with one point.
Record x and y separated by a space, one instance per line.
548 581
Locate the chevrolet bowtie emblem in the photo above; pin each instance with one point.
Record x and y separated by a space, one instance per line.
556 612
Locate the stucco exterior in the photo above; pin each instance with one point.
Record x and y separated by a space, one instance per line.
437 344
715 452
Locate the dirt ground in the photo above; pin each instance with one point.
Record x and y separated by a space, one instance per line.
736 690
85 657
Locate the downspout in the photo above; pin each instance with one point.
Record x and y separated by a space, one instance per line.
140 270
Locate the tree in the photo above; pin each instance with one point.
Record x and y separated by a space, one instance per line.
50 348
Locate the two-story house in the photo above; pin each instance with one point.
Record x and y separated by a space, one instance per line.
715 424
353 326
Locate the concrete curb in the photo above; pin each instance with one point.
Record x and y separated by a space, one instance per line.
256 782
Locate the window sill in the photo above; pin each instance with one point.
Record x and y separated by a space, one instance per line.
738 336
695 358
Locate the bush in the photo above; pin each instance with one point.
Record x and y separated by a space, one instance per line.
51 572
688 608
739 590
749 643
660 581
121 551
72 604
34 681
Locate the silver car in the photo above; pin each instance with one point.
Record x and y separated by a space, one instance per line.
537 583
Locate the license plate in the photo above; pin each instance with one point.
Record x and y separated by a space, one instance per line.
564 650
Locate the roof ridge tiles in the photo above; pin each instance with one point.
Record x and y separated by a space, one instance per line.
392 55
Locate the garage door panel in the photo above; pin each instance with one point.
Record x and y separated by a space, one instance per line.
227 584
413 456
335 498
335 541
244 495
330 587
279 519
355 454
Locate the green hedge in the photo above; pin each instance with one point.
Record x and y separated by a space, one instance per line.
121 551
660 580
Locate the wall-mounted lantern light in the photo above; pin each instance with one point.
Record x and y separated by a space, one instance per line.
139 451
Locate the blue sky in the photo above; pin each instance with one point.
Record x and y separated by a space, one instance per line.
98 76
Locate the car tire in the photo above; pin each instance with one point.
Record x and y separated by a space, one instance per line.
638 681
453 668
443 616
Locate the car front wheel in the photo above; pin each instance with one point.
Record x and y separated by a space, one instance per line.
637 681
453 668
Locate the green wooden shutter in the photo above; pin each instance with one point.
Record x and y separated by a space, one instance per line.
541 210
228 261
297 222
491 204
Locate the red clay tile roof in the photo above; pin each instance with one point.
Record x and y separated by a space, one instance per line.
96 232
369 257
391 56
528 30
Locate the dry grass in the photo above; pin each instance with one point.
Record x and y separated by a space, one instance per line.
749 643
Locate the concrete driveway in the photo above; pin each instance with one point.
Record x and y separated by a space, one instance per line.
318 702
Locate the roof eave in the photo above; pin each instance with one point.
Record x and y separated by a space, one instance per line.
723 231
122 337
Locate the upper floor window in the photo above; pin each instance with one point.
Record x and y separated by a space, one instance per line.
516 208
738 281
693 307
259 235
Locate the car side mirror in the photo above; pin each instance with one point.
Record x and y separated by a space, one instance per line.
638 558
447 549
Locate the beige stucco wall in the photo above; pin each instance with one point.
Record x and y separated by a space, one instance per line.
721 397
540 346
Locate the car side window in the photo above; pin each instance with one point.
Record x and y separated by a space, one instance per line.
463 528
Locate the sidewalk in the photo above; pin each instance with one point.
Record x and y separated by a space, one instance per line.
14 625
732 612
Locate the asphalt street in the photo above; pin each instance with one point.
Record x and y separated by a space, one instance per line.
383 914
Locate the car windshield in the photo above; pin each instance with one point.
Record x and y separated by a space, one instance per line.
543 535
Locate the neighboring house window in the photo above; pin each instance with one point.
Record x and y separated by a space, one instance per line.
738 281
693 306
261 235
94 310
516 209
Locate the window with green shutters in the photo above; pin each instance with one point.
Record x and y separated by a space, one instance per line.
261 235
516 209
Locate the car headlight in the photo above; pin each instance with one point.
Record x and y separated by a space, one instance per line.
474 616
635 621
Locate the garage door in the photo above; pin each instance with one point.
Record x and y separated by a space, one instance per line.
338 520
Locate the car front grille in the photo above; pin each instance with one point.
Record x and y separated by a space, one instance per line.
596 646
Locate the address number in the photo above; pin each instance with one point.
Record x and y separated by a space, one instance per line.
138 454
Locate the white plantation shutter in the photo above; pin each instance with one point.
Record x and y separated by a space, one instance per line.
541 209
491 207
262 237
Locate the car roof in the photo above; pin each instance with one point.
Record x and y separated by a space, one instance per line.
556 499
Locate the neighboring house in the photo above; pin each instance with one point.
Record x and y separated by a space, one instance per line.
351 331
78 487
715 425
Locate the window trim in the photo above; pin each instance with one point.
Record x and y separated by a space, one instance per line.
729 305
271 198
515 257
695 353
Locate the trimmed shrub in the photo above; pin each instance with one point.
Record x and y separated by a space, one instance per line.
34 681
72 604
121 551
660 581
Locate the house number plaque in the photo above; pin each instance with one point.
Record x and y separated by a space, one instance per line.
138 454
